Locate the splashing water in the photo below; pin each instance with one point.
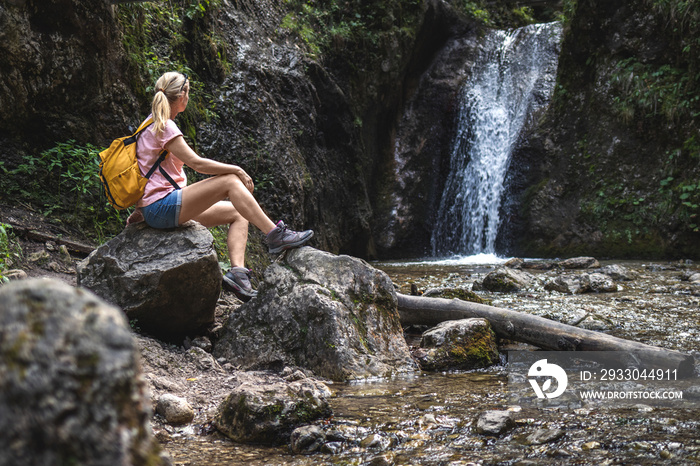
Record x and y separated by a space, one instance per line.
513 78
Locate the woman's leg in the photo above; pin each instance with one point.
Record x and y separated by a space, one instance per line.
224 213
200 196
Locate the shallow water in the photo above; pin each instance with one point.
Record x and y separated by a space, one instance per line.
430 418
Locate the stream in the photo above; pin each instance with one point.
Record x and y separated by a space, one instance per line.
429 419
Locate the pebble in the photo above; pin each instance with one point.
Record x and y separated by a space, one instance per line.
590 446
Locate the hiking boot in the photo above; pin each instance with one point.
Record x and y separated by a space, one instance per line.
238 280
280 239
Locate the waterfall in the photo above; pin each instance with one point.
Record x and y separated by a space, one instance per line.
512 79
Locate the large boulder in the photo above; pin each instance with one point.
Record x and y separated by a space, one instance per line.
167 281
334 315
71 389
265 408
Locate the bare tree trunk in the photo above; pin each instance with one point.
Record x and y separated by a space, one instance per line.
543 333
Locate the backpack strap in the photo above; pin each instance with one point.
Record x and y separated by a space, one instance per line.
161 157
132 139
157 165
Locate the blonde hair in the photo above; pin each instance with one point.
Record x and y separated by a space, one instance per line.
169 88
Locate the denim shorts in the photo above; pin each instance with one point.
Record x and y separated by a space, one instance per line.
165 212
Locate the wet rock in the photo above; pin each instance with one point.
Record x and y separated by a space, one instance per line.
694 278
386 459
563 284
595 322
495 423
514 263
334 315
538 265
579 263
265 408
175 410
71 390
376 441
590 446
542 436
506 280
618 273
597 283
458 344
307 439
167 281
458 293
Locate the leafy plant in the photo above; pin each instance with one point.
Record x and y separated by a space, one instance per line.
64 180
9 250
324 26
156 40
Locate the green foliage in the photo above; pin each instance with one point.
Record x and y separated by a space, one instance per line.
649 90
220 235
63 182
331 25
477 11
4 249
567 12
671 89
156 40
500 14
684 196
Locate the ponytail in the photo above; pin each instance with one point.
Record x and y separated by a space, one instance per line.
169 88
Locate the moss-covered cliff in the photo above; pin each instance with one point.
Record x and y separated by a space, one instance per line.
614 167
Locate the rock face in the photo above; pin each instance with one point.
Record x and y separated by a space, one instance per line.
266 408
596 183
60 69
459 344
334 315
167 281
71 389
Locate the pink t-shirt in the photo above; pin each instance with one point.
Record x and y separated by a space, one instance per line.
148 148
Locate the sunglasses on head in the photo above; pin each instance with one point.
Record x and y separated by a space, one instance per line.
185 82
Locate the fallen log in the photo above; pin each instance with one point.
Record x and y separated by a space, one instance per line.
543 333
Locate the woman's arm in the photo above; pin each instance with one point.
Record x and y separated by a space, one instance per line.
180 149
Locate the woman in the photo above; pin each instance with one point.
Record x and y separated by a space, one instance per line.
223 199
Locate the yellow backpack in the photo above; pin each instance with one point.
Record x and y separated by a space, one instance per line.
120 173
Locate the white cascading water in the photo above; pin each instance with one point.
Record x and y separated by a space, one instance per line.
512 79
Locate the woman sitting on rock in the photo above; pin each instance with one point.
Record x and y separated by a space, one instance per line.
223 199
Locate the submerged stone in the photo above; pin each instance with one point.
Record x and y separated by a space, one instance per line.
495 422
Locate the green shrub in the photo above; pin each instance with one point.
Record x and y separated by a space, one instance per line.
63 182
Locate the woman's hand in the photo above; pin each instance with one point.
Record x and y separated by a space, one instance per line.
246 179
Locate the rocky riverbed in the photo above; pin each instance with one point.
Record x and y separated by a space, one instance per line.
433 418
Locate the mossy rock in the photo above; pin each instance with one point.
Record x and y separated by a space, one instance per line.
458 345
458 293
